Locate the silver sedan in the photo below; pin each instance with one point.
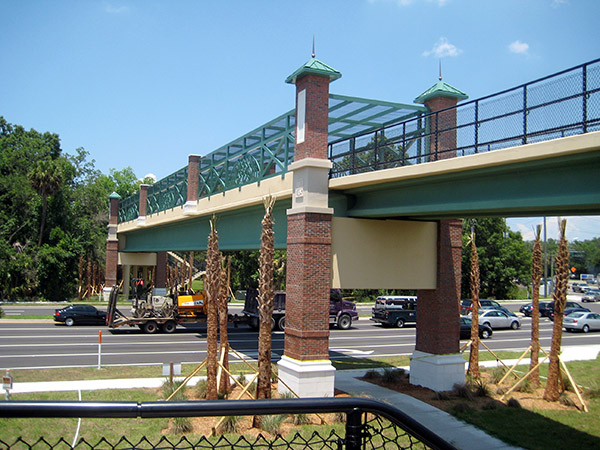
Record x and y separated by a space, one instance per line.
582 321
495 318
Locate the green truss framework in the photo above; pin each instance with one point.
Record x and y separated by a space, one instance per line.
267 151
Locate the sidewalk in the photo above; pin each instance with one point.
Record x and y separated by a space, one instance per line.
460 434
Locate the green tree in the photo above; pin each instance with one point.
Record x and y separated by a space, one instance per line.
46 178
504 259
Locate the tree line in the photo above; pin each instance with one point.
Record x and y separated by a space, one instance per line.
54 213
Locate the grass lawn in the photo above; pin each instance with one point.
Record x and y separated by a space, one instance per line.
533 428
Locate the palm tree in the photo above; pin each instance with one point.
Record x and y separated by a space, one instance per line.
223 335
46 178
473 370
213 288
536 275
551 393
265 301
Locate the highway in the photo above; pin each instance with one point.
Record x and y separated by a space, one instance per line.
24 344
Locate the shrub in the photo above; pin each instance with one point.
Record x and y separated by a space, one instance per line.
492 404
498 373
513 403
372 375
463 391
300 419
461 407
441 395
201 389
525 386
393 375
182 425
230 424
168 389
1 313
271 423
481 389
564 399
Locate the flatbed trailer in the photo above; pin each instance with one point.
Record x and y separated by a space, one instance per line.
165 321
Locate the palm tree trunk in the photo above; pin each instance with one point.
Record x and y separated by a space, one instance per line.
536 274
551 393
43 219
213 281
265 301
473 369
223 334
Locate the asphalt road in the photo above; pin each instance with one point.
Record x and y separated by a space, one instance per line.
40 345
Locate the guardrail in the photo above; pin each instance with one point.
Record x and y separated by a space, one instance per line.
369 423
563 104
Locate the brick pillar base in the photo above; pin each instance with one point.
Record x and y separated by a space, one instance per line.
305 366
438 330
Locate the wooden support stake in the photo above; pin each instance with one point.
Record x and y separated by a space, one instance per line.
188 378
515 365
585 408
523 379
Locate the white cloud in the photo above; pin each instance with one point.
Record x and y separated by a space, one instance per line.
558 3
443 48
112 9
518 47
150 175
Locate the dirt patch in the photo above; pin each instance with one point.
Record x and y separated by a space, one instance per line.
210 426
480 395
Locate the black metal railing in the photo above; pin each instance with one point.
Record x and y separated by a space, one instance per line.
559 105
369 424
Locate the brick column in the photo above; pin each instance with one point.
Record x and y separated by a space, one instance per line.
112 245
192 183
160 282
305 366
436 362
143 203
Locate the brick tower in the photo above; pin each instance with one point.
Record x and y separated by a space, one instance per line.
436 362
305 366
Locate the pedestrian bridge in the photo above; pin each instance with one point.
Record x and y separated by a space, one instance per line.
530 150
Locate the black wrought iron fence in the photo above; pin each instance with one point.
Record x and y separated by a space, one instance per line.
369 424
563 104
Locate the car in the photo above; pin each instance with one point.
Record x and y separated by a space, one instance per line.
582 321
485 332
495 318
549 310
80 314
591 295
527 309
569 311
579 287
465 306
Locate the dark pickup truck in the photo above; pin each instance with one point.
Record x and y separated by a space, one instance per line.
395 311
341 312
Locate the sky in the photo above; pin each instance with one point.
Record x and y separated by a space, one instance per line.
145 83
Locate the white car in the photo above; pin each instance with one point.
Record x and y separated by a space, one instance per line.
495 318
582 321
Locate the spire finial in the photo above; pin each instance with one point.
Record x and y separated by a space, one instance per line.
440 69
313 52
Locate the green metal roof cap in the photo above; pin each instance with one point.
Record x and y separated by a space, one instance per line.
115 195
315 67
441 89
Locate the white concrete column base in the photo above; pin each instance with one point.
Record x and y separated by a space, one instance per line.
190 207
306 378
106 293
437 372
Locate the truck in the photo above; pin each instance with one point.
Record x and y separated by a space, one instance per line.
155 313
341 312
394 310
